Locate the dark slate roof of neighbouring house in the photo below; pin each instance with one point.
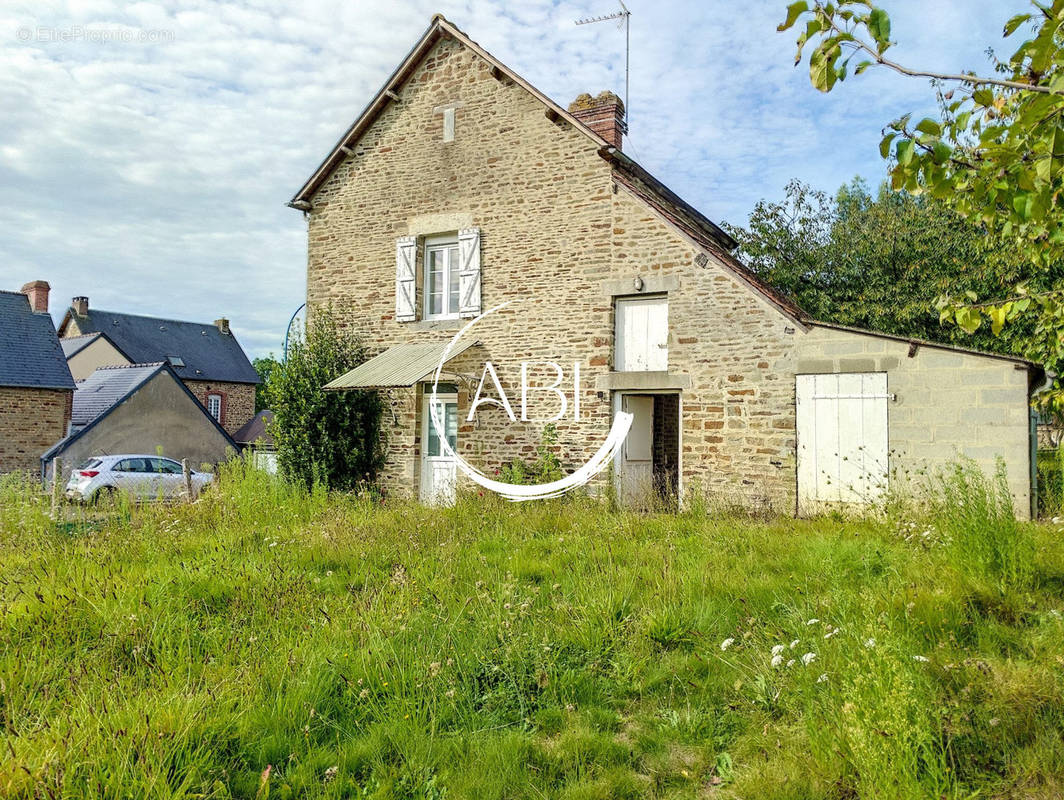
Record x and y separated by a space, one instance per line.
206 352
256 429
30 354
106 387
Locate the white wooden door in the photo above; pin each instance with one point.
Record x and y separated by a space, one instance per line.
438 474
635 473
642 334
842 438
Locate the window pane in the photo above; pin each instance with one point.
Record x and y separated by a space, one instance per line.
435 281
451 424
433 442
452 262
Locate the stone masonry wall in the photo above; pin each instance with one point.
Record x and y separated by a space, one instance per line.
238 401
31 421
554 231
561 241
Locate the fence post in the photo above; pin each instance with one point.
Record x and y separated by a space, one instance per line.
57 471
188 479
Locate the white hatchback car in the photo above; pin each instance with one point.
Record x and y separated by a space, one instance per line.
141 477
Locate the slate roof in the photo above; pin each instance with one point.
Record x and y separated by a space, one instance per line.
72 345
206 352
30 354
256 430
106 387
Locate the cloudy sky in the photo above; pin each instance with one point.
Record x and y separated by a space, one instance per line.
147 149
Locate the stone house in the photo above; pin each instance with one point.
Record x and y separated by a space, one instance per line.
461 188
206 357
138 408
35 383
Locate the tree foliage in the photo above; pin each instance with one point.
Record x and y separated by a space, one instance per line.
877 261
995 154
265 366
333 438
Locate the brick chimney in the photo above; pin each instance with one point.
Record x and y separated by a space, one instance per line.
223 325
80 306
37 292
603 114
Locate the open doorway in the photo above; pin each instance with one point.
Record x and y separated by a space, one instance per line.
648 465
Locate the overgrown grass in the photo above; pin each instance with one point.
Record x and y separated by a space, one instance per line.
272 642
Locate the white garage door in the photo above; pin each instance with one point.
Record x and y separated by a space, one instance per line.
842 438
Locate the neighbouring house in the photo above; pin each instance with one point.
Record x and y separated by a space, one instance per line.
138 408
35 383
256 441
206 357
461 187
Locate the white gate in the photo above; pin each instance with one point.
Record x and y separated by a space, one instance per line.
842 438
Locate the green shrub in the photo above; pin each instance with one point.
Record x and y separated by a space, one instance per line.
545 469
333 438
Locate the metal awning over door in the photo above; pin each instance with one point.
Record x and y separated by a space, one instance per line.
401 365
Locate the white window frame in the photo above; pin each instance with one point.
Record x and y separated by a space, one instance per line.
215 396
445 245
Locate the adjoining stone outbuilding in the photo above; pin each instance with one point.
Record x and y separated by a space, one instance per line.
35 384
143 408
461 188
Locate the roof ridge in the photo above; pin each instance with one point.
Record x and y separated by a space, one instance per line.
149 316
133 366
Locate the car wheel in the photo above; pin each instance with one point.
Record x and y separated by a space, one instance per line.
105 495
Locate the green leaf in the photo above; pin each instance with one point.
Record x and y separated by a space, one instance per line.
983 97
822 66
1015 22
904 152
941 152
884 146
794 10
879 27
997 318
968 319
930 127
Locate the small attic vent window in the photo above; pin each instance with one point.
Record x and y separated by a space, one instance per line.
175 361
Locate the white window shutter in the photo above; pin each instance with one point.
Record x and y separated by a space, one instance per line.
405 279
469 272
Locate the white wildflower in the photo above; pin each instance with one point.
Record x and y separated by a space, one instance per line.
823 678
794 644
921 658
870 643
727 643
831 633
813 621
776 661
779 648
790 663
808 658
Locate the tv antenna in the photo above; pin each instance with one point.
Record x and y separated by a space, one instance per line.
625 15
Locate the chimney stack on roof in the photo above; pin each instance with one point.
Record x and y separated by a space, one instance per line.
37 292
80 306
222 325
603 114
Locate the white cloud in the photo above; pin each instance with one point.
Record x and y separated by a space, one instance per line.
152 175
